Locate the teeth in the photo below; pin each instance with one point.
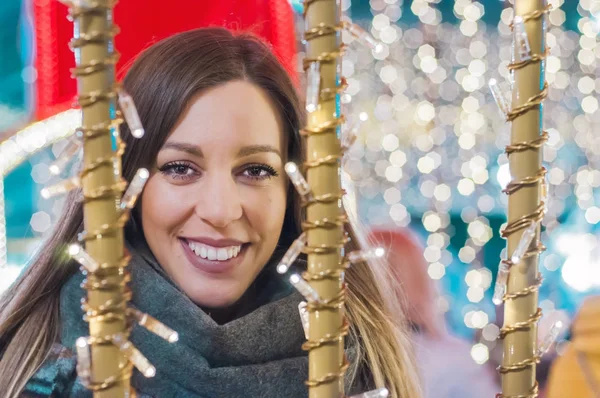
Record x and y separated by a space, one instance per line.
222 254
214 253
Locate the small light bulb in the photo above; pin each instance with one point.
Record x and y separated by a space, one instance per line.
365 255
292 254
60 188
304 317
522 41
304 288
500 97
549 338
84 358
131 114
154 325
134 189
501 282
74 145
524 243
350 134
134 355
364 37
313 87
378 393
297 179
82 257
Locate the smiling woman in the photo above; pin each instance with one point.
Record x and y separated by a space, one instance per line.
221 118
217 239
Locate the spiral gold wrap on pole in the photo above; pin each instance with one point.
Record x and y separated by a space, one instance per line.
325 218
525 207
107 293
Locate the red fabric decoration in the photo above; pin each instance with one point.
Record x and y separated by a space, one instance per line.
144 22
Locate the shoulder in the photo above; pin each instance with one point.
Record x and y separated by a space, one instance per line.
55 377
448 369
438 353
448 348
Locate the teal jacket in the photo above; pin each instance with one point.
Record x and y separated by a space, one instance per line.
56 377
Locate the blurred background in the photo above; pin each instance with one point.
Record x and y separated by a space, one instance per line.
429 155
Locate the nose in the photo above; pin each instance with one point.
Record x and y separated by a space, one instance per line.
220 202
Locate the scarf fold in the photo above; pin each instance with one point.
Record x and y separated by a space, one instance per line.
256 355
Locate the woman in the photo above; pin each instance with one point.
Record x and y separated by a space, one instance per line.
222 118
445 363
576 372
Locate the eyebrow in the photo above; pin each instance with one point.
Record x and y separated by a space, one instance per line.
183 147
196 151
254 149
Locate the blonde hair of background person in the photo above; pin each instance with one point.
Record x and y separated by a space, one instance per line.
445 363
164 81
576 373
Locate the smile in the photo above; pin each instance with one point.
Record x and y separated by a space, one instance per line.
212 259
214 253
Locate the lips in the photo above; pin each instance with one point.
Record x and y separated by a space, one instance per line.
213 260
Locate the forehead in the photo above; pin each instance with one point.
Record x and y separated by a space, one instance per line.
233 114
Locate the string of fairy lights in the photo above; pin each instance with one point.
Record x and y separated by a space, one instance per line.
432 137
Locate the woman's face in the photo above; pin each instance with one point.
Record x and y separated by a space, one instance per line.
213 208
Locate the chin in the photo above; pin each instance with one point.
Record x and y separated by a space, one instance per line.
214 298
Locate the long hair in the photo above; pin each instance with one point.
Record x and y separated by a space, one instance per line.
408 268
163 81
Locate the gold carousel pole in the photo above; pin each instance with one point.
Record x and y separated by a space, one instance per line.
324 237
101 183
518 277
106 358
324 215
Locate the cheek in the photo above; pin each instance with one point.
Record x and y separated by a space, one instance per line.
265 210
159 214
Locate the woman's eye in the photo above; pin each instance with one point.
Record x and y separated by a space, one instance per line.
178 170
260 172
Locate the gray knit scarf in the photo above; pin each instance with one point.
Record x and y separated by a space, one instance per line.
256 355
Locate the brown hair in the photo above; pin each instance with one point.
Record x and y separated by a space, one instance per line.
162 82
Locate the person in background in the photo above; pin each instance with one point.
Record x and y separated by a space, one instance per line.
577 372
444 361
